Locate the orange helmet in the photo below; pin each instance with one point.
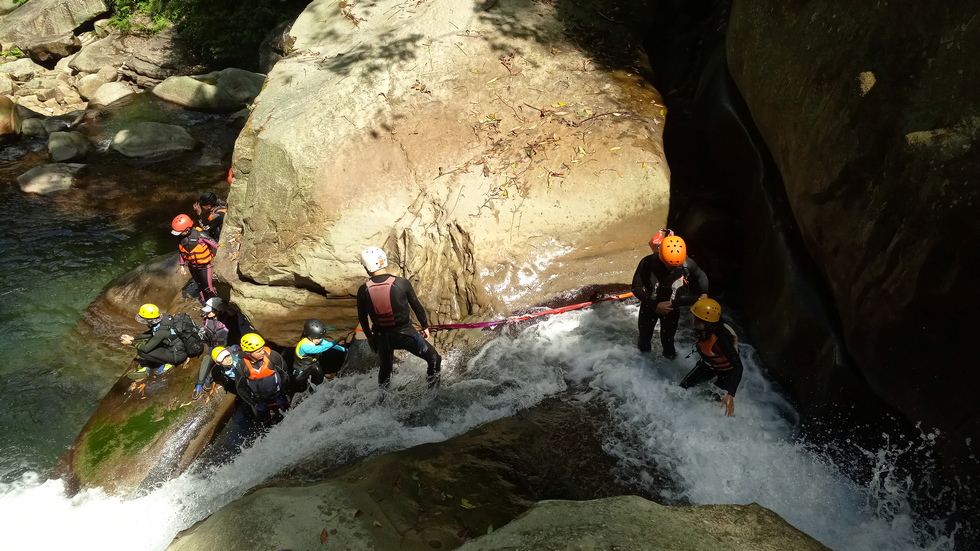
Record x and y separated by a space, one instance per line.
673 251
181 223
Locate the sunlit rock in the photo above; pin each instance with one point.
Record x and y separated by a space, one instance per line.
67 146
493 157
47 18
150 139
48 178
111 92
226 90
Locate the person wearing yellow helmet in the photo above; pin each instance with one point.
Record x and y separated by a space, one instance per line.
268 380
664 281
717 348
384 307
159 348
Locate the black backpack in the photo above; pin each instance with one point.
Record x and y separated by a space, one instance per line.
189 332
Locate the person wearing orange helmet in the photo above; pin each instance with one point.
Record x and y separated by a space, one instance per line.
196 253
717 348
658 283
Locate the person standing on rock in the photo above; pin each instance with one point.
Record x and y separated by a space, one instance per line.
211 214
196 253
307 369
158 349
717 348
267 377
658 282
388 300
215 334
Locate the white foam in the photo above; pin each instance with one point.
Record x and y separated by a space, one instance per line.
752 457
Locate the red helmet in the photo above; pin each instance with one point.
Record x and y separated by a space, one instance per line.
181 222
656 240
673 250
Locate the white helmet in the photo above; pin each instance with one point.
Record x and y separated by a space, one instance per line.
374 259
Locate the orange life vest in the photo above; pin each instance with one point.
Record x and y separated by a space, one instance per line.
712 355
215 211
200 254
264 368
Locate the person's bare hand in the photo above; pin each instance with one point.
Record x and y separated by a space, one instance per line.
664 308
197 208
126 339
729 403
425 334
183 270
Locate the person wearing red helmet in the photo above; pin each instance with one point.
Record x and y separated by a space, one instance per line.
658 282
196 253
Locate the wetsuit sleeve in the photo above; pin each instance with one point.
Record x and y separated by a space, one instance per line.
209 244
730 380
310 348
639 288
697 285
279 364
156 340
413 301
362 311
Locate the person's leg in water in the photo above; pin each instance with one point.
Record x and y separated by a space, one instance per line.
428 353
386 356
646 321
700 374
668 328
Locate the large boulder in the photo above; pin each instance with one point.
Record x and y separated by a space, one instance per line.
152 139
492 157
21 70
47 18
879 158
145 60
7 6
111 92
146 431
227 90
50 48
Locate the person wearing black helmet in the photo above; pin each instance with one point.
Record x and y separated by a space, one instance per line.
211 213
307 369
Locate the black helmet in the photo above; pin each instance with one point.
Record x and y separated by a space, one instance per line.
314 329
208 199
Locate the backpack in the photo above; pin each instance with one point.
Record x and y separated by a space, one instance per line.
189 332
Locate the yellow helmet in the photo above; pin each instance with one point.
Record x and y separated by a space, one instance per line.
252 342
149 311
216 352
707 309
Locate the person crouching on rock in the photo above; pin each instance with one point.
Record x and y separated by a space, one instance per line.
306 367
717 346
215 334
196 253
388 300
267 377
158 349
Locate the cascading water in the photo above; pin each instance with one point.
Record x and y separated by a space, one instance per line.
587 355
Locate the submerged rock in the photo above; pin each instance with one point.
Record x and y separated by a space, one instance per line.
151 139
67 146
48 178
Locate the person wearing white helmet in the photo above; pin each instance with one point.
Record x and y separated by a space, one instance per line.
384 307
215 334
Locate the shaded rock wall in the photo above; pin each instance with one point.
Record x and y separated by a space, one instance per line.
871 114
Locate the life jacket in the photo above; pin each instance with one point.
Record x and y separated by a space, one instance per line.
303 363
711 353
259 370
199 254
220 209
381 301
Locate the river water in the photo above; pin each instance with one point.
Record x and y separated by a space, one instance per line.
56 257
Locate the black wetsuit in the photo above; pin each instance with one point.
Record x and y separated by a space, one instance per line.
655 282
718 357
390 328
270 391
214 219
161 346
215 334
